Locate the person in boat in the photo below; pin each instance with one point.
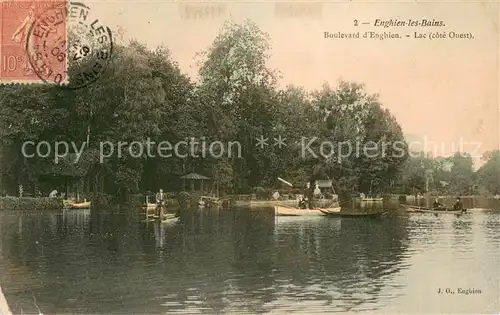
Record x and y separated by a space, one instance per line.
458 205
306 202
302 203
437 204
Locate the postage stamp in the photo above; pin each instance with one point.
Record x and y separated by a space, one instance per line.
17 18
58 42
81 51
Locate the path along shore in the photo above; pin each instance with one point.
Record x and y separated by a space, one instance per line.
4 307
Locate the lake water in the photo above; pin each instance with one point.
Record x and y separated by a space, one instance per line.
245 261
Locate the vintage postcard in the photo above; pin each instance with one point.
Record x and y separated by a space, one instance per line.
249 157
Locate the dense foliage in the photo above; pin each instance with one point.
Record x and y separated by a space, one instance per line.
144 96
452 175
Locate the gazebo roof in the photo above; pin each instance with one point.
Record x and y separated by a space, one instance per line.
194 176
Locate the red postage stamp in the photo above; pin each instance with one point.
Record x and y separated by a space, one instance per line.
18 19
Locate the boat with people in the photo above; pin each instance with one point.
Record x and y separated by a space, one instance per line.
303 209
149 205
209 201
158 211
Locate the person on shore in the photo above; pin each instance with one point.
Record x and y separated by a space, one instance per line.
458 205
437 204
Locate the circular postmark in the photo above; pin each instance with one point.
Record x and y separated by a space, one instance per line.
67 47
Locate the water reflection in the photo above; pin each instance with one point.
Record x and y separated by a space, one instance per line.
217 261
339 260
491 226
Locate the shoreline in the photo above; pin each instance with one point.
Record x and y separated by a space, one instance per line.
4 307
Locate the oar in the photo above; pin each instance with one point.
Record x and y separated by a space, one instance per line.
284 181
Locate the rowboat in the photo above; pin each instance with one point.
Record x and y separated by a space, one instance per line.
345 214
410 208
208 201
372 199
167 218
79 205
292 211
150 206
164 218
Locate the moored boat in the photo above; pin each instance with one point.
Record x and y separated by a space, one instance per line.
78 205
159 215
293 211
344 214
166 218
209 202
410 208
149 206
371 199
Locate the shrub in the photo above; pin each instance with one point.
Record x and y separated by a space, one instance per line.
402 198
260 192
183 198
102 200
29 203
136 200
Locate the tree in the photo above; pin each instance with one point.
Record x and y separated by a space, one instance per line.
461 173
488 175
236 92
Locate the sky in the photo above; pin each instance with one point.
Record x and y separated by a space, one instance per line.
442 90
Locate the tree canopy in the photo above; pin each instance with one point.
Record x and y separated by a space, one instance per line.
144 96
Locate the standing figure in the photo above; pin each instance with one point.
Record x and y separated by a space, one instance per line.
317 191
160 202
458 205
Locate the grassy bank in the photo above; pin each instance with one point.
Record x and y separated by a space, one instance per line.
29 203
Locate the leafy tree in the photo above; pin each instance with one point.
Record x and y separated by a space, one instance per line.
488 175
461 173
